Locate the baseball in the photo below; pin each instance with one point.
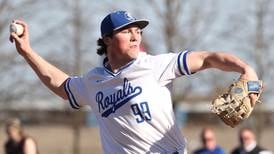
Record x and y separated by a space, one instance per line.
17 28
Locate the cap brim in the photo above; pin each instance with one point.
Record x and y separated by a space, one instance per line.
142 23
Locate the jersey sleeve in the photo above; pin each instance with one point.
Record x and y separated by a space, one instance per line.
172 65
76 92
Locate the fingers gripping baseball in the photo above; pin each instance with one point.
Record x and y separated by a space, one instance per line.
16 28
20 35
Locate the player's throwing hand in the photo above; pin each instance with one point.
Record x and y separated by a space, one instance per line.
22 42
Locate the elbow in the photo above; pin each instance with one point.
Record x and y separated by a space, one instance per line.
208 60
216 60
61 92
64 96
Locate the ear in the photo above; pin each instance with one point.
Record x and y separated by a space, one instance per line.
107 40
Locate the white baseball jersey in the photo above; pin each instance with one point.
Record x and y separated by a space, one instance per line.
133 106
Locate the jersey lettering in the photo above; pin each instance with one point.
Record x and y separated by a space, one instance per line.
110 103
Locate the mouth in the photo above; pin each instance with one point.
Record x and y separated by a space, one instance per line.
133 46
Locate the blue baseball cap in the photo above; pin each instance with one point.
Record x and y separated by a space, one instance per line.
119 19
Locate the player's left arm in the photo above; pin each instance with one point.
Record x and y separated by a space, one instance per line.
201 60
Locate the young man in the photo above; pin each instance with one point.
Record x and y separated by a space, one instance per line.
129 93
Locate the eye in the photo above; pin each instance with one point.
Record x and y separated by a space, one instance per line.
125 31
139 31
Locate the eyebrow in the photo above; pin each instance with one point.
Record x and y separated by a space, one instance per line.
127 27
131 26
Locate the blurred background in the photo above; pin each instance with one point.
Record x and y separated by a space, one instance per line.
64 32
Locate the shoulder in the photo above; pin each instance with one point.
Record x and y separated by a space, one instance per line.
30 145
97 71
157 55
144 57
29 140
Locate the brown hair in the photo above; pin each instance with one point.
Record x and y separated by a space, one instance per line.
102 49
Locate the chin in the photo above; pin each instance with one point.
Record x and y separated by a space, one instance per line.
134 53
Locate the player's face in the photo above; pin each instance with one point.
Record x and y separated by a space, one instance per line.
127 41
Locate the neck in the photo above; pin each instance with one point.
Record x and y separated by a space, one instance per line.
117 61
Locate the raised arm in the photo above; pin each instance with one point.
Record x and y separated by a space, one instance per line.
200 60
51 76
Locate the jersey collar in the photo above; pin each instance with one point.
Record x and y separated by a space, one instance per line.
109 71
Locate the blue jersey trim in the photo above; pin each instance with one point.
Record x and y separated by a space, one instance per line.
111 73
185 63
71 98
182 60
179 64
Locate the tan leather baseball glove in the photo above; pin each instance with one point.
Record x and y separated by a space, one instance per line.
235 105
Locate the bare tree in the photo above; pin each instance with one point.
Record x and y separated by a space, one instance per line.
183 24
79 36
12 72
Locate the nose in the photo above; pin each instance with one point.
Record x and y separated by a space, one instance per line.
133 36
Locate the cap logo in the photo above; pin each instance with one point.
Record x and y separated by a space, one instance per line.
128 16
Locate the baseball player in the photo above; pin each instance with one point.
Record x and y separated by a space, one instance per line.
130 92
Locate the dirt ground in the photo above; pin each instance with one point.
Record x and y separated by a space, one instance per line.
59 139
